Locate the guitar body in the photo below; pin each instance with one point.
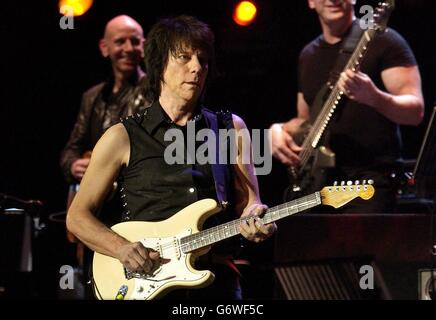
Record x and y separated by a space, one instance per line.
179 242
313 175
164 237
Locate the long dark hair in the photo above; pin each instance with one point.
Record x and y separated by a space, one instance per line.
170 36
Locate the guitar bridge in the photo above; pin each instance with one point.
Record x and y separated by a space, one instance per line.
145 276
137 275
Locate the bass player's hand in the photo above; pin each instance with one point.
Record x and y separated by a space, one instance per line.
283 145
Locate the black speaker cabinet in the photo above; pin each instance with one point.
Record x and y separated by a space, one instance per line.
321 256
15 241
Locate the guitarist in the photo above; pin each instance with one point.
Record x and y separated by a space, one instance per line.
363 133
179 59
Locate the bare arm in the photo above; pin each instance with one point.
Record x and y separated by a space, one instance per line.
110 154
106 161
402 103
247 190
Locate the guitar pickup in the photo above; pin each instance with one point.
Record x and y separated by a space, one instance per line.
324 158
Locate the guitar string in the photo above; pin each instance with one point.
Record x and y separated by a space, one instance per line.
327 108
209 233
335 95
353 62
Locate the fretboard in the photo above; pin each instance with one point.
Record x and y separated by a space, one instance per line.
333 100
232 228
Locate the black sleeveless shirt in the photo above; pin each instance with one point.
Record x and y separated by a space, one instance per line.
153 190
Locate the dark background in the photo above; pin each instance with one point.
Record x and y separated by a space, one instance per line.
44 71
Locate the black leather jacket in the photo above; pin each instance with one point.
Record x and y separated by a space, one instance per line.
99 110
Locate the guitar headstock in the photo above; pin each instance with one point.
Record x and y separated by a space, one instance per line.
382 13
339 195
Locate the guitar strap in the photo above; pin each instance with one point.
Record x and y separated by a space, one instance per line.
220 171
349 43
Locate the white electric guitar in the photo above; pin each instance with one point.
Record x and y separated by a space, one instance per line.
179 242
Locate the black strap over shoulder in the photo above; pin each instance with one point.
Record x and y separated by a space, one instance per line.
349 43
221 171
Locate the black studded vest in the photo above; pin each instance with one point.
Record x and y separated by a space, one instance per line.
153 190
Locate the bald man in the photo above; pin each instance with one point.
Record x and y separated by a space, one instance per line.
103 105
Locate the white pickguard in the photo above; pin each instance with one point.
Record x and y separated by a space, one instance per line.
175 271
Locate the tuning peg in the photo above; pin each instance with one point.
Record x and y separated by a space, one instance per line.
342 183
349 183
364 182
335 183
356 182
370 181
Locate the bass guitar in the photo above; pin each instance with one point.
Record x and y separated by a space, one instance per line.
315 157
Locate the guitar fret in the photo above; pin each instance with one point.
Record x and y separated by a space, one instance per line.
235 228
221 233
212 236
229 229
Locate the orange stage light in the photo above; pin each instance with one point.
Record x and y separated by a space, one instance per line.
74 7
244 13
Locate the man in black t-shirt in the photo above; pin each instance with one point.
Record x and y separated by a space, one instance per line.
384 93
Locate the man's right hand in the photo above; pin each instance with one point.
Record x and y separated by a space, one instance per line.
137 258
283 146
79 167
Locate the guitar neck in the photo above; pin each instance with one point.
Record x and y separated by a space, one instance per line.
333 100
232 228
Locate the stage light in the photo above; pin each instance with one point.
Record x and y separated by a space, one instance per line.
244 13
74 7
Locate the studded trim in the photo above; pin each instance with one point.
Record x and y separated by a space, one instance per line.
125 216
